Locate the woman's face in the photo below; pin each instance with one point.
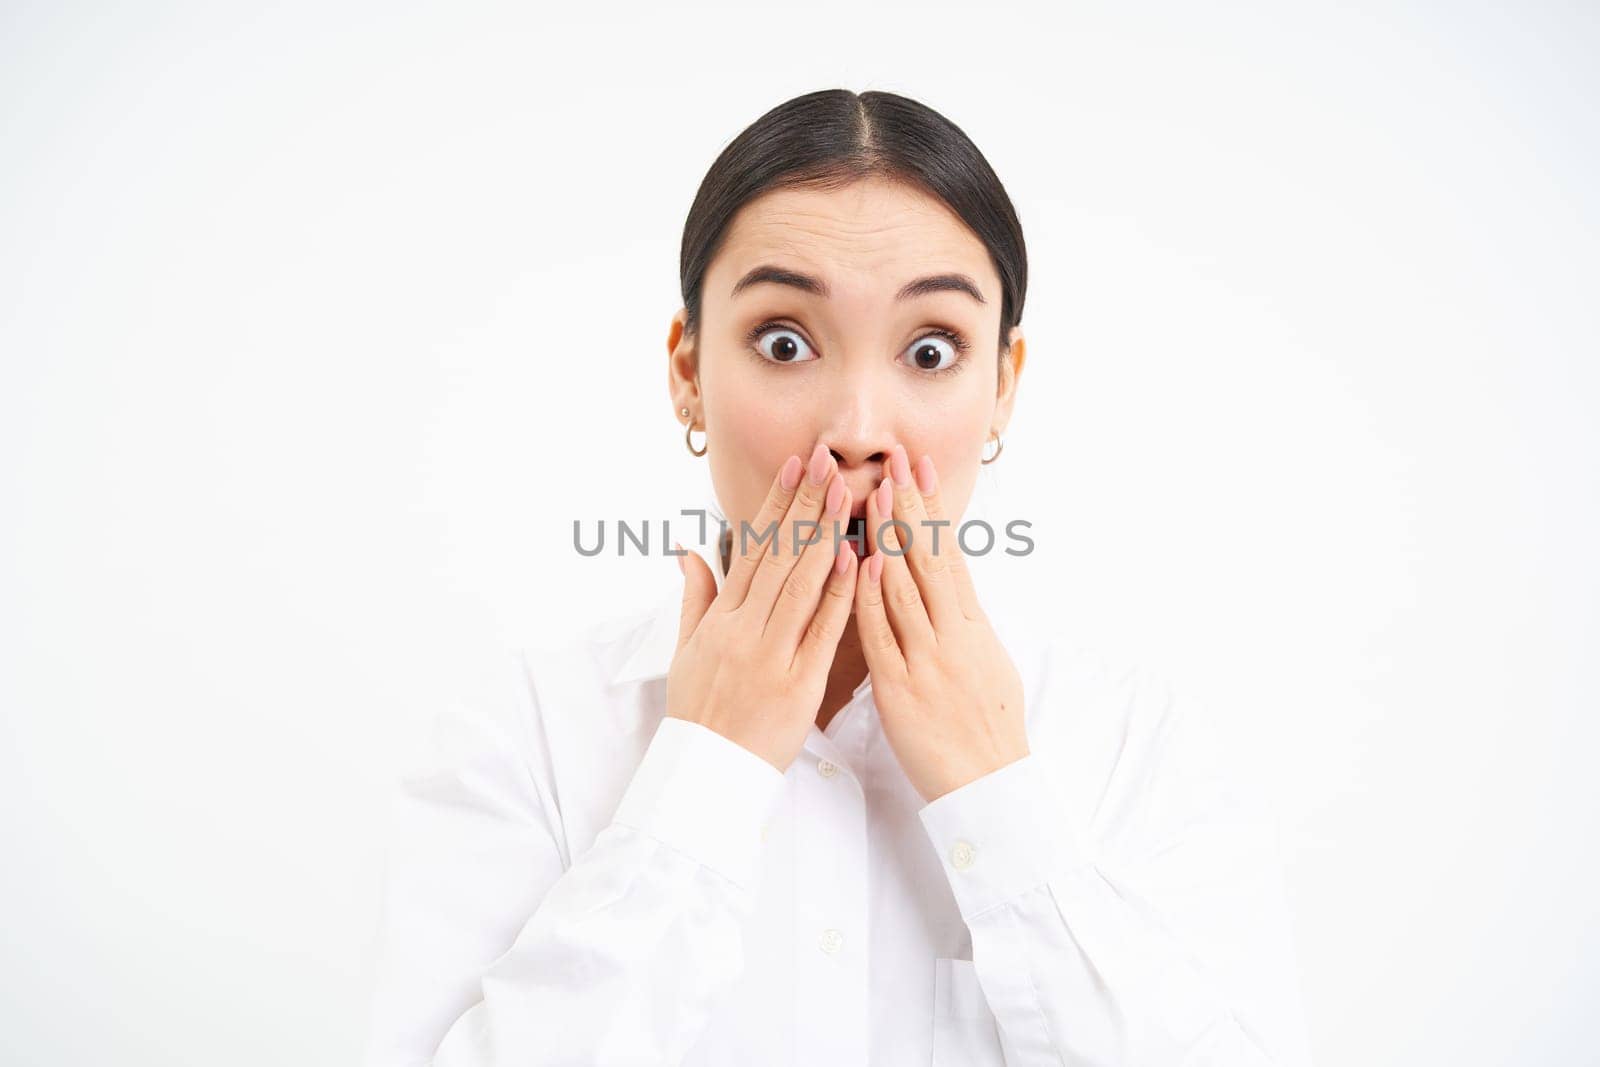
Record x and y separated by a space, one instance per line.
838 353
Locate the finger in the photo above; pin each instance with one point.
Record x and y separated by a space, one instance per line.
797 602
955 560
745 554
827 625
928 568
779 554
699 589
903 602
885 662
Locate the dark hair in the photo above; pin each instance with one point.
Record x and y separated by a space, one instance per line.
832 137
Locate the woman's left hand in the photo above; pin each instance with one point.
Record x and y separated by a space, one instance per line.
948 694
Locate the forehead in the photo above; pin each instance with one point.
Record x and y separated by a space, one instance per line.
870 234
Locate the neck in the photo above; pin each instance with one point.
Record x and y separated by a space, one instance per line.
849 668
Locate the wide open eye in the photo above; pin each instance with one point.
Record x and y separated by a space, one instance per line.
937 352
781 344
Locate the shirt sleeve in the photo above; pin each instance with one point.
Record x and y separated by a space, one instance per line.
1157 936
496 949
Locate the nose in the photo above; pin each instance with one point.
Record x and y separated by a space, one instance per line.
857 425
851 457
861 469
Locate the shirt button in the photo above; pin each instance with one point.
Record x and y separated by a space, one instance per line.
832 941
962 855
827 769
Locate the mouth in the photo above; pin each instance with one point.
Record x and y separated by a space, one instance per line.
856 530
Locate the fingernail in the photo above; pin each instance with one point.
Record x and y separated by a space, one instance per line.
925 479
676 547
819 464
789 477
835 496
899 466
886 496
842 564
875 566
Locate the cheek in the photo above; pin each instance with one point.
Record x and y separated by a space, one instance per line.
956 445
752 441
957 469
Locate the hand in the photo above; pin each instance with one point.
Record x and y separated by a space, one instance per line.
948 694
753 657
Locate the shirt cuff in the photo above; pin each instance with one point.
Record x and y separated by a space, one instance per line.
1003 834
703 794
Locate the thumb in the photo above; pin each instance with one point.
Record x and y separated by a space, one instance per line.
699 590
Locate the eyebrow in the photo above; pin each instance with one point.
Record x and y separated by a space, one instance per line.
932 283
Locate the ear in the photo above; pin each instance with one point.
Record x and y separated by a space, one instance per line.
1011 362
683 367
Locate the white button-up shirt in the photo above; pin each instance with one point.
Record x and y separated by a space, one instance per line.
578 878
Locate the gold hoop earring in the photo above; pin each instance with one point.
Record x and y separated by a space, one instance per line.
997 451
687 430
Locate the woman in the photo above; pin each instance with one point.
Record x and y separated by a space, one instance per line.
822 809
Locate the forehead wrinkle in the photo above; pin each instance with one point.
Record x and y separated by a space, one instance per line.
880 260
872 216
861 241
867 236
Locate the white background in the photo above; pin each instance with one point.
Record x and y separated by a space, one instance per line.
320 324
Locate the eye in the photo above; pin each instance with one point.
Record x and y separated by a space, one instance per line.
777 343
938 351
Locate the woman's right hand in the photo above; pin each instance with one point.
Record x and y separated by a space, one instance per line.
753 657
